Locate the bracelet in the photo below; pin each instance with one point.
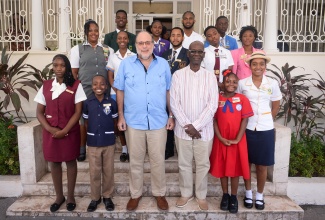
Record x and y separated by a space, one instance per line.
171 116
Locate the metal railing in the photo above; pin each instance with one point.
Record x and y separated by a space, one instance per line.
301 23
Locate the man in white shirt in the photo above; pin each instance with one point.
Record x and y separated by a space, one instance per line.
194 100
214 51
188 21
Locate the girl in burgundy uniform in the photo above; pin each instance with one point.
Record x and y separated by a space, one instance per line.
58 110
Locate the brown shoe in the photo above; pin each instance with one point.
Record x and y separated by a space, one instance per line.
133 204
182 201
203 204
162 203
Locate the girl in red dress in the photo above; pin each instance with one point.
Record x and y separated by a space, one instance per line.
229 152
58 110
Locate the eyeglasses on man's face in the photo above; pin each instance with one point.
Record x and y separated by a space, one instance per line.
141 43
193 52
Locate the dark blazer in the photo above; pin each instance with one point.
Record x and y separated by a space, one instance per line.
181 61
110 40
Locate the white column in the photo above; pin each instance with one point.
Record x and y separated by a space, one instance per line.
245 13
270 31
64 26
38 41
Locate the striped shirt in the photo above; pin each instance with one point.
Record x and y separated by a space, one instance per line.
194 100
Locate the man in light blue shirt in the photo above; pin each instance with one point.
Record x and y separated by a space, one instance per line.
142 84
226 41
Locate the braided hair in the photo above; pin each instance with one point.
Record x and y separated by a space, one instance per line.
68 78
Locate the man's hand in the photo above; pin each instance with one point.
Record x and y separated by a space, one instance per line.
121 124
192 132
170 124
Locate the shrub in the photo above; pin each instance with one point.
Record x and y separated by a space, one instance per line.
9 159
307 157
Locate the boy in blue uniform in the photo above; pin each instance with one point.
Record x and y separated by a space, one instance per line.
100 114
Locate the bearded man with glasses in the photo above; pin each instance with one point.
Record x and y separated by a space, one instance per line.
142 84
194 100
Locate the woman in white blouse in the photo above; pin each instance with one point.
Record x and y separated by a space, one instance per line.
264 95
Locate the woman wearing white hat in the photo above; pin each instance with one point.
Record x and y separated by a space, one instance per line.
261 91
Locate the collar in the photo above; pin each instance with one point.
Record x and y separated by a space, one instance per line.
57 88
249 81
177 50
135 58
118 30
212 48
157 42
127 54
93 97
98 44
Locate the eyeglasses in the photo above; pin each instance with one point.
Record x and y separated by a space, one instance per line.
199 52
141 43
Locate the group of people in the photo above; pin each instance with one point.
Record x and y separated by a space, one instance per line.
209 98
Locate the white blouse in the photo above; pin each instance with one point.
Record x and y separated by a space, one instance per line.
260 99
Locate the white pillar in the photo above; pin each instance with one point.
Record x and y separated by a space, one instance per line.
64 26
245 13
270 30
38 41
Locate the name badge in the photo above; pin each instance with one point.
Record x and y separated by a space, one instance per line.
235 99
69 91
107 105
221 104
224 56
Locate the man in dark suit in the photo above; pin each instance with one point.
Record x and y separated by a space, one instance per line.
121 20
177 59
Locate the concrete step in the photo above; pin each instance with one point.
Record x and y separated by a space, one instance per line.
171 165
45 185
276 207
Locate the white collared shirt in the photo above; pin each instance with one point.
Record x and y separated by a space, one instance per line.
74 54
260 99
114 62
178 50
210 58
59 88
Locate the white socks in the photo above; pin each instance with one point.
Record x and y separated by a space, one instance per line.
124 149
249 195
259 196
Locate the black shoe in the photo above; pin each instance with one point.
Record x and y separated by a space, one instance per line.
233 204
71 206
258 206
109 205
224 202
55 207
93 205
168 154
247 204
82 157
124 157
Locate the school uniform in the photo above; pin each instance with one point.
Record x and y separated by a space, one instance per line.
260 128
101 144
210 58
59 101
160 47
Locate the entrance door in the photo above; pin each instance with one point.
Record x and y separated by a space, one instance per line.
140 23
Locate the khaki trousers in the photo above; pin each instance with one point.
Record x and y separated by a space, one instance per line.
138 141
200 151
101 168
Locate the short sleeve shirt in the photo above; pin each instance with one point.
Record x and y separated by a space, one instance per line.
260 99
100 116
145 92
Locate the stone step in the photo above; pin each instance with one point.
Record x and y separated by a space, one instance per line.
276 207
45 185
171 165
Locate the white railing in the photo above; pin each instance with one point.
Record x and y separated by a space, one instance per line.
301 23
